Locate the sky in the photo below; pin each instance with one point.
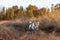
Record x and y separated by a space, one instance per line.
25 3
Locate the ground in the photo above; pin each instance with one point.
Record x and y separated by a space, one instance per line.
9 33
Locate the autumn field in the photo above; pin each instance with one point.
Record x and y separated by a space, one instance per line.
14 24
15 29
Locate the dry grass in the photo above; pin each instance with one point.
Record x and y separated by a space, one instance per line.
6 33
9 33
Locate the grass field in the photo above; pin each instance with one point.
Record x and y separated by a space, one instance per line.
14 30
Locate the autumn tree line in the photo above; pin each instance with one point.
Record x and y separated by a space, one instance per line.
15 12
